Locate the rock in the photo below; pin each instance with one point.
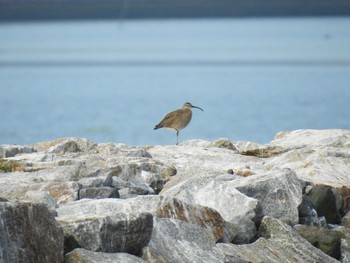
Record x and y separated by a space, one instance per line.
317 156
14 186
220 194
143 171
119 183
344 251
223 143
308 214
307 207
175 241
258 150
64 145
279 194
98 192
312 138
42 197
277 231
29 233
195 214
10 166
96 181
328 240
269 179
325 202
139 188
12 150
346 220
81 255
107 225
115 233
278 242
140 153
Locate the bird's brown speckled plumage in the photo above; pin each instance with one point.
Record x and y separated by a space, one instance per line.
178 119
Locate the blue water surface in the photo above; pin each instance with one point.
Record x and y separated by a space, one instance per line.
112 81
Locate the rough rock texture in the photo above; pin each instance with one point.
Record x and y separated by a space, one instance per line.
177 241
308 214
328 240
279 194
278 243
195 214
12 150
98 225
98 192
81 255
224 189
29 233
237 209
325 203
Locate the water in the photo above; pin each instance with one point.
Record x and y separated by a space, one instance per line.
114 80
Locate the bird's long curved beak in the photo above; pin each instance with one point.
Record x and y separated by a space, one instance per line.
197 108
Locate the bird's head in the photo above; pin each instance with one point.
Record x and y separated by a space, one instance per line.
188 105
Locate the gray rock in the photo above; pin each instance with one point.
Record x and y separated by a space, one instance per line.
14 187
328 240
278 243
223 143
107 225
306 208
107 233
29 233
42 197
98 192
98 181
345 250
139 153
176 241
346 220
195 214
66 146
63 145
220 194
325 202
308 214
144 171
12 150
279 194
281 233
239 231
139 188
81 255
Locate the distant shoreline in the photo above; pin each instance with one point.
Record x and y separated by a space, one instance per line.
25 10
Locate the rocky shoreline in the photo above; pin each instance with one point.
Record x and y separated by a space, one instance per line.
73 200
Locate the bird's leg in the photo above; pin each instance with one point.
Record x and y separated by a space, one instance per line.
177 137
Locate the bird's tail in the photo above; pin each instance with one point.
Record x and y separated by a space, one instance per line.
158 126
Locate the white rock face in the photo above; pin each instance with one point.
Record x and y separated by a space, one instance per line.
317 156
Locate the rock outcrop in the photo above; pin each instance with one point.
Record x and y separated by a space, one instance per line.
223 201
29 233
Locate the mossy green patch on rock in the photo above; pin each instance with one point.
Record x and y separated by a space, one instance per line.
10 166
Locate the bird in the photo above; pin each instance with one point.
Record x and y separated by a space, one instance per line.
178 119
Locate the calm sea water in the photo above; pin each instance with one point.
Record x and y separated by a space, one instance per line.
112 81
